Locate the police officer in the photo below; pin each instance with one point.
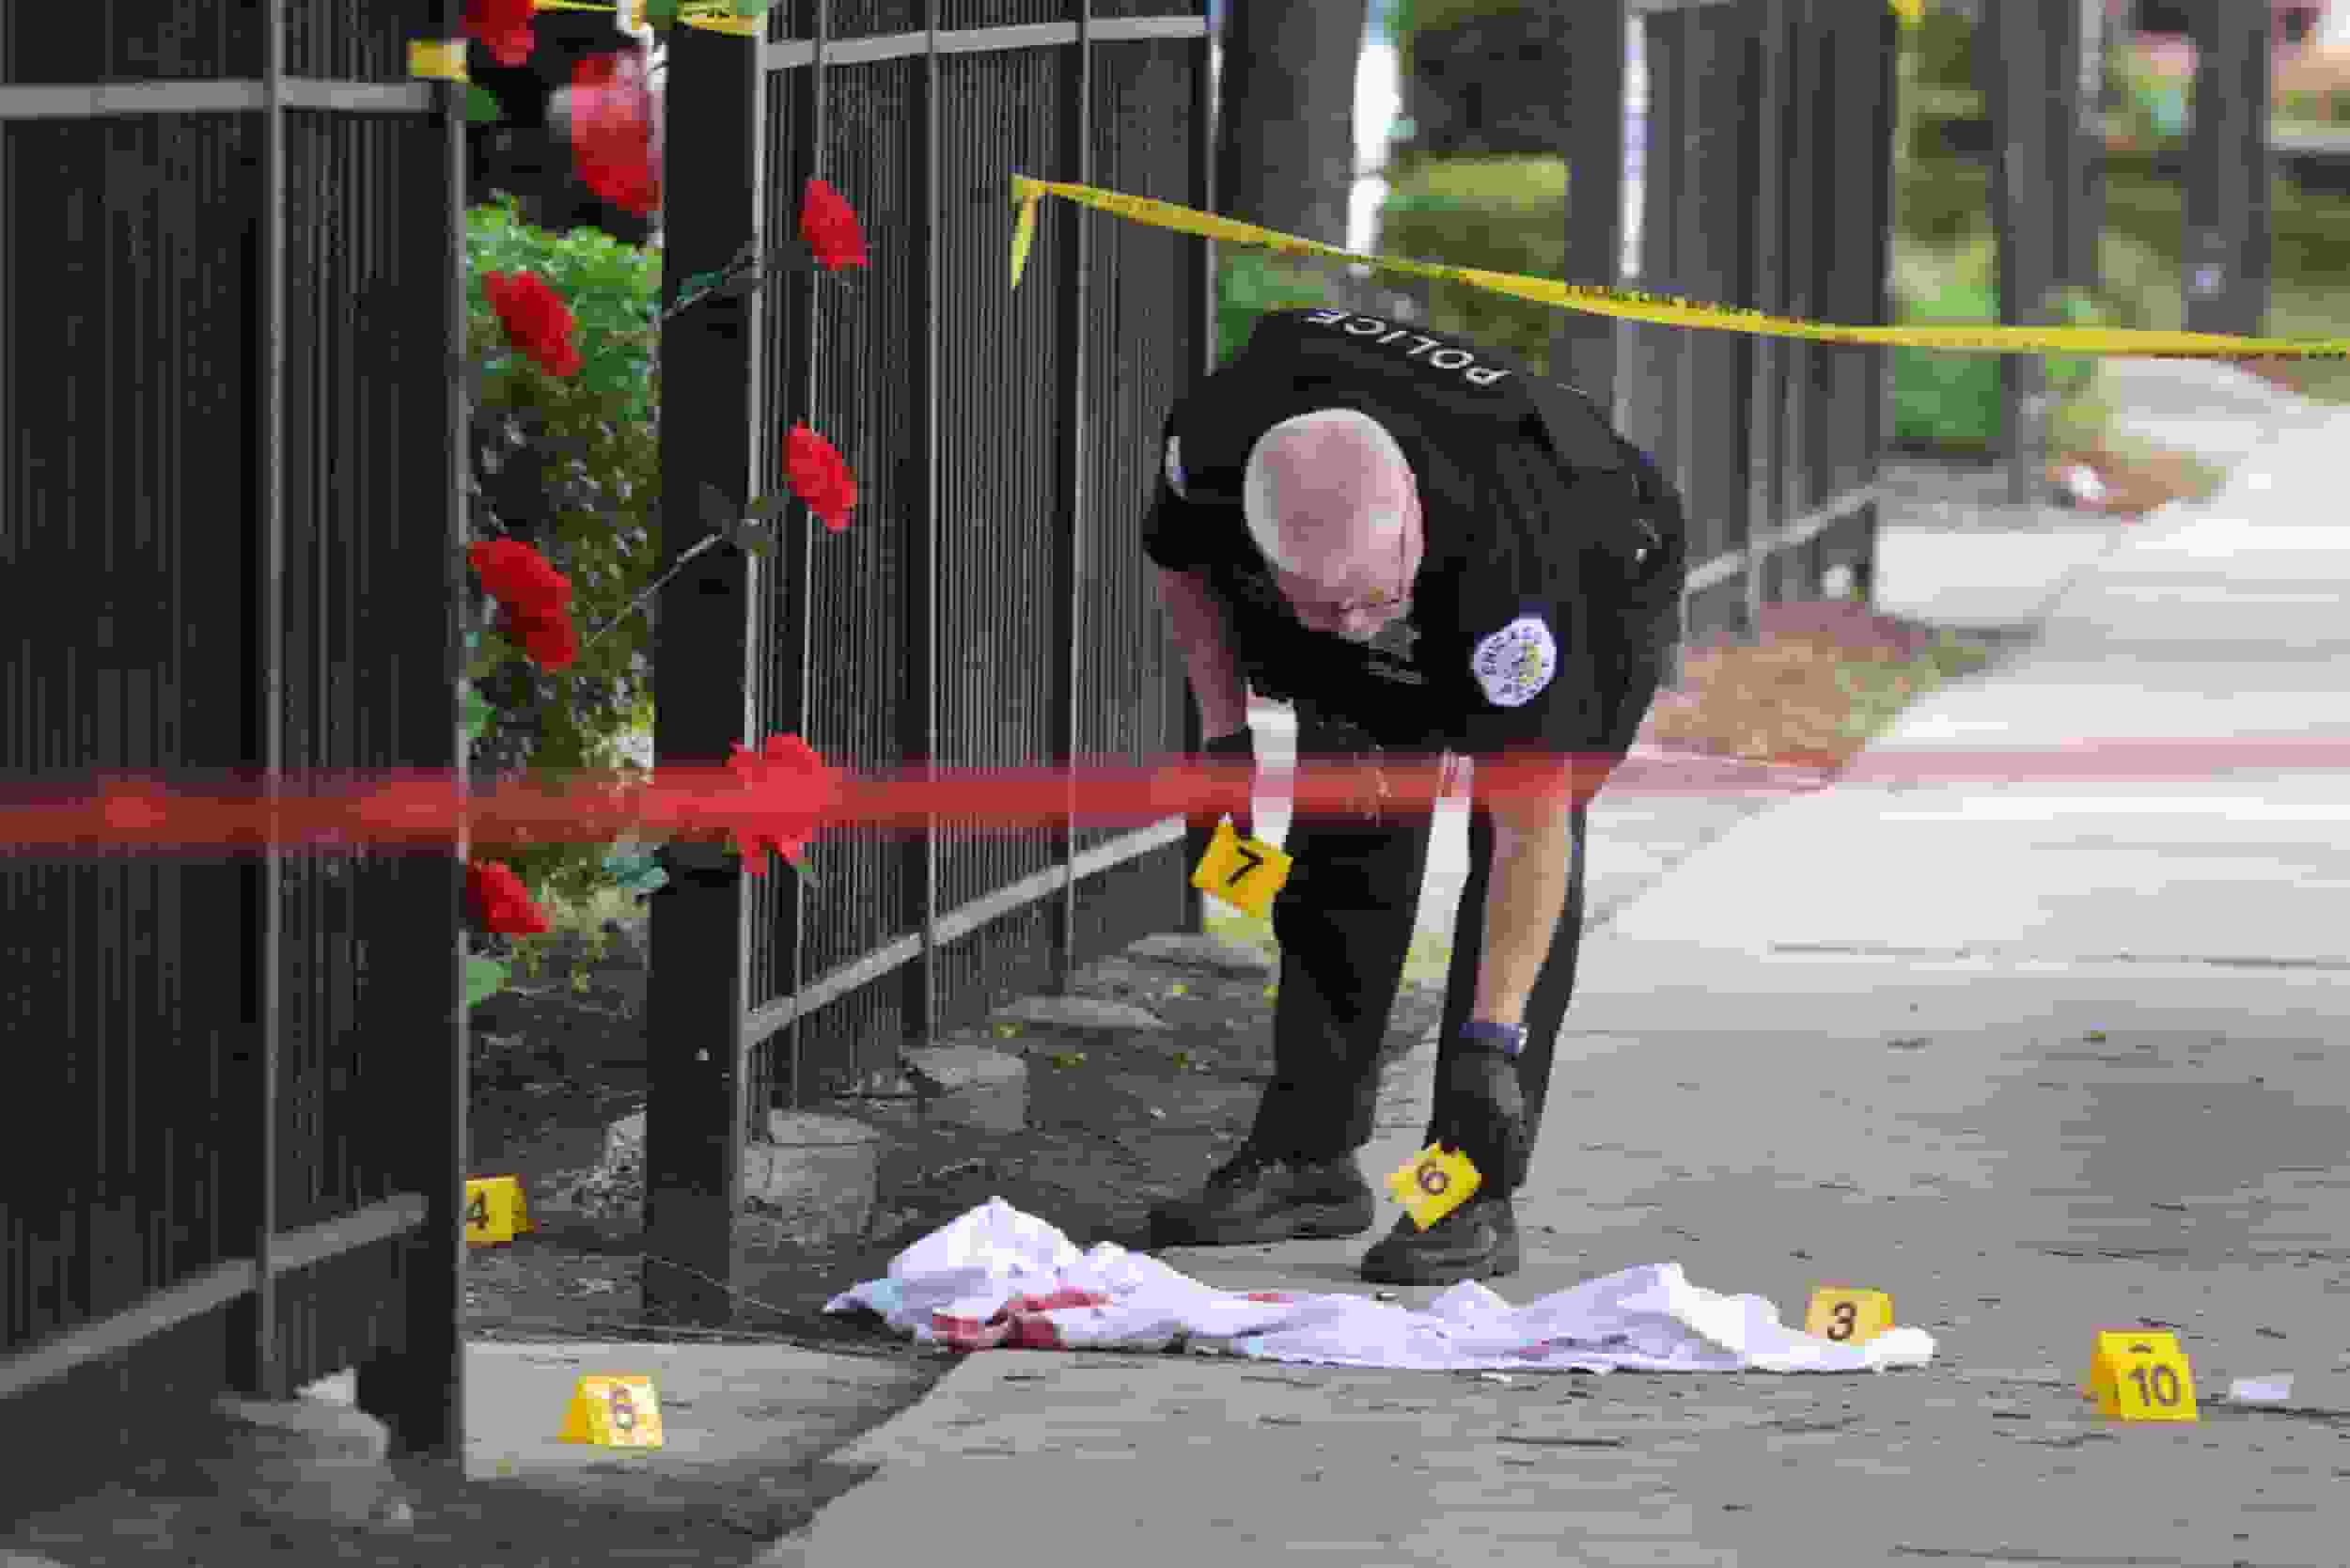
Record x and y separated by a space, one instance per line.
1433 554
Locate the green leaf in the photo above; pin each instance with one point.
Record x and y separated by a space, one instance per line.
773 504
474 714
734 288
698 283
651 882
484 978
718 510
750 7
480 107
659 11
806 874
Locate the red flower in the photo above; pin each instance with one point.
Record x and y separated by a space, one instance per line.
829 225
533 599
535 320
546 636
517 576
502 27
615 127
817 476
793 787
501 903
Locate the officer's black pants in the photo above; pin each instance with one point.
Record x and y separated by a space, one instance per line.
1345 923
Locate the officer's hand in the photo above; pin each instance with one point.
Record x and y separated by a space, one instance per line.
1482 1114
1237 754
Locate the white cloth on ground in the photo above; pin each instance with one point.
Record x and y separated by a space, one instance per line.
1000 1279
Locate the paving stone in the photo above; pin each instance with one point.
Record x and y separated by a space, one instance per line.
973 1085
1198 951
1081 1012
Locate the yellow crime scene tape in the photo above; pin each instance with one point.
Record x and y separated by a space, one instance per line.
1633 305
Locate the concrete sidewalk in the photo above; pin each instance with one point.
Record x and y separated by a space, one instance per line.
2037 1059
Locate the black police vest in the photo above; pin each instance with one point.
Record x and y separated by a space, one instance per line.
1450 404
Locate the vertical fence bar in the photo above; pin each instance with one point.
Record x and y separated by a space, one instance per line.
1075 430
1769 122
919 567
267 1375
695 998
1203 295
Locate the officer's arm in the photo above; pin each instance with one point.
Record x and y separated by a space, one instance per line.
1526 889
1203 632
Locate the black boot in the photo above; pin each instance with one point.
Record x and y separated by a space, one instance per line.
1259 1195
1476 1241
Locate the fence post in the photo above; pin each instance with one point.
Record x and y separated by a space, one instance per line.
419 1389
917 579
2226 240
2089 208
260 1372
1887 123
695 1001
1765 455
1068 544
1799 483
1644 349
1203 295
1710 80
2011 50
1583 346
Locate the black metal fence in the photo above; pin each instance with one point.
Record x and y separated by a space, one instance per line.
989 607
1767 184
228 549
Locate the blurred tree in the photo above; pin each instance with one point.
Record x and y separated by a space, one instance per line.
1285 124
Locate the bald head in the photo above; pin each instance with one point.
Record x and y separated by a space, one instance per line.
1331 503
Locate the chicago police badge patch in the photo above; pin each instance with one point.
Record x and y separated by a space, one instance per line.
1516 663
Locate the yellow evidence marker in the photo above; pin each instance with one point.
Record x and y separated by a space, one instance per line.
2140 1374
1433 1184
437 59
1848 1316
613 1413
1244 872
496 1211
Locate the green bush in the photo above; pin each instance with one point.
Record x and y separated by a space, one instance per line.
1248 283
1950 399
1502 215
602 527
